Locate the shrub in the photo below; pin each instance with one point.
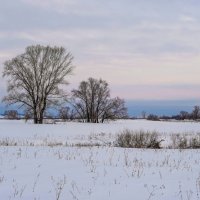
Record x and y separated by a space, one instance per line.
195 142
185 141
138 139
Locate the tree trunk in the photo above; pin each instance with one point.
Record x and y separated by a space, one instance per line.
41 116
35 120
35 117
40 121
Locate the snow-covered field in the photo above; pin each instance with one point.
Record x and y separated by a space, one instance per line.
73 132
36 169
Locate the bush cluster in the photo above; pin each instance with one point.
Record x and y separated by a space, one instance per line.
138 139
185 141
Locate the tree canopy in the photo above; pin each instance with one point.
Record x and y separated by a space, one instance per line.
92 102
34 78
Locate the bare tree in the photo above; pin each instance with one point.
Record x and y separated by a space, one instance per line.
184 115
93 103
28 115
196 113
114 109
35 77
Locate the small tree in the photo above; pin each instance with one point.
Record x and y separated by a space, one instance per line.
34 78
28 115
92 102
11 114
184 115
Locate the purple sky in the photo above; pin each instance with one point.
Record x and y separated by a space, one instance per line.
144 49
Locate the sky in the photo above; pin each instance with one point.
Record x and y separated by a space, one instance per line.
145 50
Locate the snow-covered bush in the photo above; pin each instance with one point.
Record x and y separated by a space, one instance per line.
185 141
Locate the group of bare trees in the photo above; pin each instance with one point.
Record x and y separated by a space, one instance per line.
34 82
194 115
93 103
183 115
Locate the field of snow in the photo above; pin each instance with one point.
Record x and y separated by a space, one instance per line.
73 132
31 168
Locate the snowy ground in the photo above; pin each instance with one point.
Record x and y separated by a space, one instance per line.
66 172
73 132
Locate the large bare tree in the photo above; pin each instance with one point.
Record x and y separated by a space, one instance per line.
93 103
35 77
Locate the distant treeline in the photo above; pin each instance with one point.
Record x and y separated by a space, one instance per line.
69 114
183 115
